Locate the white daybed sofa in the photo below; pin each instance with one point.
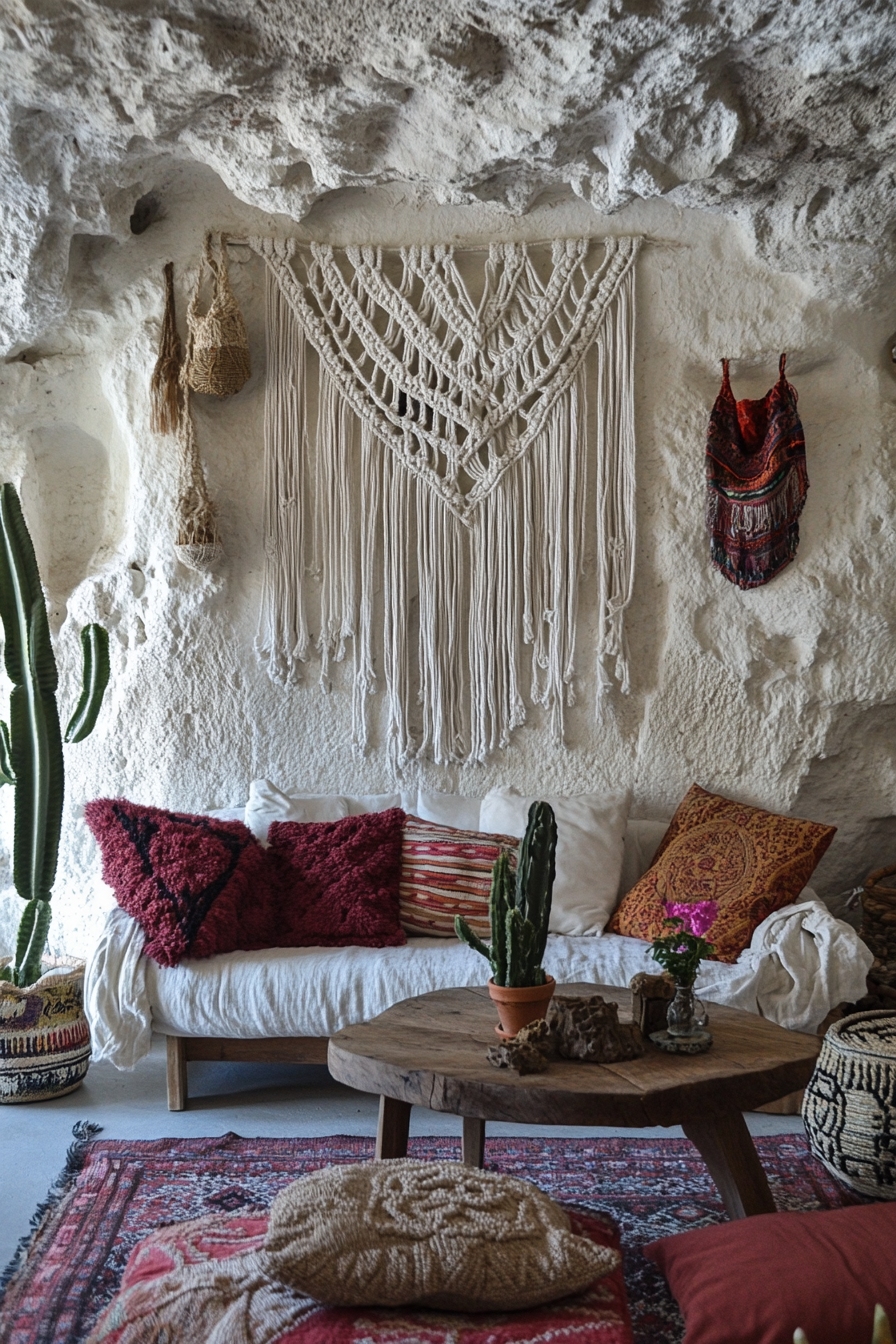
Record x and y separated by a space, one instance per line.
282 1004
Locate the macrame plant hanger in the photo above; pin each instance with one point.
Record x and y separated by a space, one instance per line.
429 455
198 545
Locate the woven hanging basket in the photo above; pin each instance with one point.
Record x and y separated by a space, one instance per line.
217 358
849 1108
201 556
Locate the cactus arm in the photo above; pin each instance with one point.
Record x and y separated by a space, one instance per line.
95 649
20 593
31 941
38 770
6 774
36 754
466 935
500 903
536 871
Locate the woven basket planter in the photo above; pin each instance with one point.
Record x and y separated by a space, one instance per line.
849 1109
44 1036
201 556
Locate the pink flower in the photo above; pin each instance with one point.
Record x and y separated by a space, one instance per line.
696 916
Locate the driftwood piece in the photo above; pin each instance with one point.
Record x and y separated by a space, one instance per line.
651 996
528 1052
589 1029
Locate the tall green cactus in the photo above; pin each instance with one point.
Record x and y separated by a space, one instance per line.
520 907
31 746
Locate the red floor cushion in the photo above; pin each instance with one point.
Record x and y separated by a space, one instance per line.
756 1280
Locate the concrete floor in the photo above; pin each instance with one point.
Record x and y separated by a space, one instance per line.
247 1099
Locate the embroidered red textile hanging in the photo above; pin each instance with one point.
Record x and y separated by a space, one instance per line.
756 482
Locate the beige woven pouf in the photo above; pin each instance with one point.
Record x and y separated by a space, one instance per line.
849 1108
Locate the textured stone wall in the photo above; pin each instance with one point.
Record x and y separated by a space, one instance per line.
759 168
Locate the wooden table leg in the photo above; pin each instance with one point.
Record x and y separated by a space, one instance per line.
392 1130
472 1147
726 1147
177 1073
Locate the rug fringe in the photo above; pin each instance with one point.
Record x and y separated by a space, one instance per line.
82 1133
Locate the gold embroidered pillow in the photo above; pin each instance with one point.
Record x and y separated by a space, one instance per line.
435 1233
447 872
748 860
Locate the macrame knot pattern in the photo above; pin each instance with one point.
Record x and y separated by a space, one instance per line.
433 417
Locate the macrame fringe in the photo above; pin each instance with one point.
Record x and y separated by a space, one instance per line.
448 491
164 387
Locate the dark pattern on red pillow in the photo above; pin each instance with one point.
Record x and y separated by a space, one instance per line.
340 880
196 886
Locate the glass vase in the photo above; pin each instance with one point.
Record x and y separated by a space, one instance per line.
681 1016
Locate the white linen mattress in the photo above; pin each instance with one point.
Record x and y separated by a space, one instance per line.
800 964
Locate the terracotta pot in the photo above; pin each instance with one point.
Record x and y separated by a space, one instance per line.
519 1005
44 1036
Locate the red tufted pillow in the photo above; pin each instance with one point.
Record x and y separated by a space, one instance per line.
339 880
196 886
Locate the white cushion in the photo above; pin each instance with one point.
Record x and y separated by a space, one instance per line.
380 802
642 840
267 803
448 809
590 830
228 813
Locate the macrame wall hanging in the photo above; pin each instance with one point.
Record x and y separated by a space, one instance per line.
756 482
427 462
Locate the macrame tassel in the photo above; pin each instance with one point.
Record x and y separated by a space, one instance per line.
365 677
396 669
335 528
282 640
615 487
442 585
164 387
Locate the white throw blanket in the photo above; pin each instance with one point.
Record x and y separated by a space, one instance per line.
800 964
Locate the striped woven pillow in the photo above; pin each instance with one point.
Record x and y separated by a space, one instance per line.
447 872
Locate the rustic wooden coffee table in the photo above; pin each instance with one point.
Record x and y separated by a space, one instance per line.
430 1051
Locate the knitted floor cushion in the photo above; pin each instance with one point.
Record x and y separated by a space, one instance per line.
438 1234
174 1287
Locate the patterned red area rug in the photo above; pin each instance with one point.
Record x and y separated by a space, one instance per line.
127 1189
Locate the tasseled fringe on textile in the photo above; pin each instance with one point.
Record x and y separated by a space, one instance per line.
463 608
732 518
164 387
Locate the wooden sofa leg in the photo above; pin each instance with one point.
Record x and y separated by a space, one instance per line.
177 1073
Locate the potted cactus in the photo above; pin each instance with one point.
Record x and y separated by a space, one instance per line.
44 1037
520 908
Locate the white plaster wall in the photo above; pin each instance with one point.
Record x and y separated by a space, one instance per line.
784 696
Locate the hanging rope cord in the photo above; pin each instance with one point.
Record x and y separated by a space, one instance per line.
482 410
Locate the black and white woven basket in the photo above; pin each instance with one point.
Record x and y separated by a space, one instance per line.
849 1107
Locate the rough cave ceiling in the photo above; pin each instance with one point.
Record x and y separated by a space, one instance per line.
781 114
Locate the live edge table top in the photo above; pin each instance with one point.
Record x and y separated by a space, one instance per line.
431 1051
